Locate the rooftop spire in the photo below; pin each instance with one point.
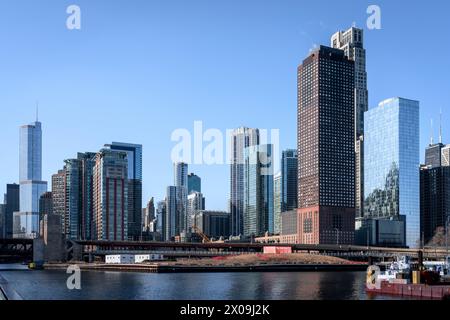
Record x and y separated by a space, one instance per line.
37 111
431 132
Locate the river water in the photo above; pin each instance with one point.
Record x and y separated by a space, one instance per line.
51 285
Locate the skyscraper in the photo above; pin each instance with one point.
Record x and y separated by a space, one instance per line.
86 162
289 180
172 214
277 202
26 222
241 138
134 156
181 184
326 196
194 183
352 42
45 204
434 200
392 164
195 202
180 174
12 204
434 189
161 218
72 196
72 209
110 195
258 191
59 197
433 155
149 213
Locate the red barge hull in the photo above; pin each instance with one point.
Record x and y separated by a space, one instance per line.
413 290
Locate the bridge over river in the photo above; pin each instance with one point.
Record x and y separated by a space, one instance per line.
23 249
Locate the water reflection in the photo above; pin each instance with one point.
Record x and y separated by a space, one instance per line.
194 286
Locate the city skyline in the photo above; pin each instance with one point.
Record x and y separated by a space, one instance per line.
18 109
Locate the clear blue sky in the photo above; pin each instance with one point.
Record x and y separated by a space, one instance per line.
137 70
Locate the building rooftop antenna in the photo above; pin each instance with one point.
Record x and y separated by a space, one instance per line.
431 133
37 111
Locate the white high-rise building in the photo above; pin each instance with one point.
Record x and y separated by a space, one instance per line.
195 202
351 42
26 222
241 138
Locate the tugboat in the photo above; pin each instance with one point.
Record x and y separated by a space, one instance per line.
403 278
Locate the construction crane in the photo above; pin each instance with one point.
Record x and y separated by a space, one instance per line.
201 234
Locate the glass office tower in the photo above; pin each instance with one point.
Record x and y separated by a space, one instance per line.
392 164
110 195
258 191
241 138
26 222
289 180
134 158
194 183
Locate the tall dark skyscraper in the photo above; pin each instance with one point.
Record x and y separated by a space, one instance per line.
434 190
45 204
289 180
326 130
12 204
434 200
433 155
134 156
